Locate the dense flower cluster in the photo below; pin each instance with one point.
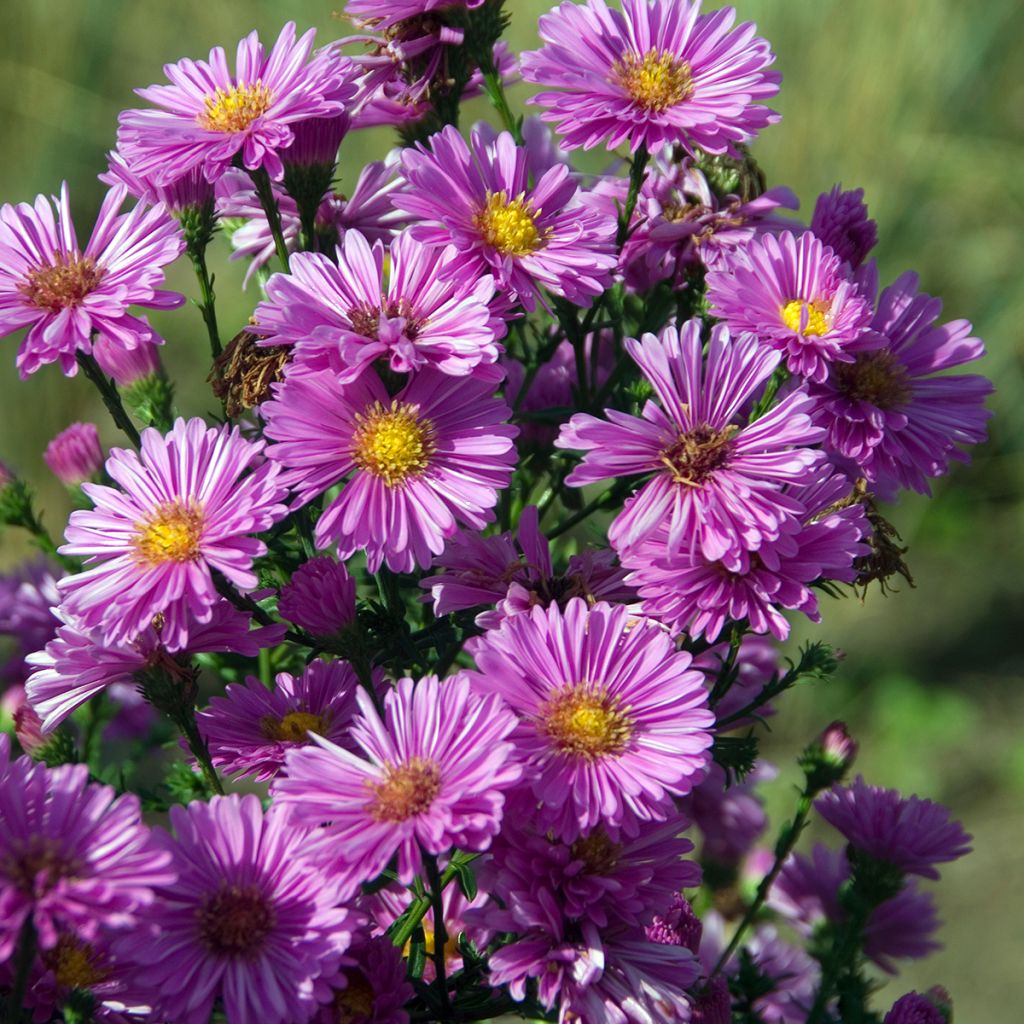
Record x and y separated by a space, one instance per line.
501 771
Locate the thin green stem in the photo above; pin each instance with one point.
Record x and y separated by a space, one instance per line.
201 752
110 395
208 308
496 94
24 958
92 726
265 193
440 930
637 171
416 910
844 951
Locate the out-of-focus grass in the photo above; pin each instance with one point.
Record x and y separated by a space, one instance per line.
920 102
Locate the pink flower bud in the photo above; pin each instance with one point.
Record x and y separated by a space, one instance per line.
74 455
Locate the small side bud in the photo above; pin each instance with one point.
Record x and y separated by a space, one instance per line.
934 1007
826 761
75 454
52 749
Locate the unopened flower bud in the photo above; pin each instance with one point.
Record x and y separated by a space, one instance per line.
74 455
826 761
914 1008
126 366
52 749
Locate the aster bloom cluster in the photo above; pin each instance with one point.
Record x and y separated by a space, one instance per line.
478 576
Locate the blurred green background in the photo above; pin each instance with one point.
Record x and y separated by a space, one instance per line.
921 103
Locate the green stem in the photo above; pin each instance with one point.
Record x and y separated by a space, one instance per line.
92 726
197 254
25 957
496 94
110 395
417 910
843 952
440 931
196 743
265 192
637 170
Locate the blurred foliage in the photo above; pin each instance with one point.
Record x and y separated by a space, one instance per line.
921 103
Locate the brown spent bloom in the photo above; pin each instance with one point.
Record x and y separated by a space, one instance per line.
243 372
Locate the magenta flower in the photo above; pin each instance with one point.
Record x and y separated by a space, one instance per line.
27 597
127 366
688 591
435 774
528 237
320 597
729 813
797 296
190 192
72 855
655 74
613 720
416 463
841 221
208 116
716 488
382 14
250 729
74 455
184 511
911 833
77 664
914 1008
372 988
887 411
250 921
343 317
64 295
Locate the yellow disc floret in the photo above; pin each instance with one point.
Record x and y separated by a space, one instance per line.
792 314
293 727
407 790
75 964
510 225
584 721
171 534
234 109
655 81
394 443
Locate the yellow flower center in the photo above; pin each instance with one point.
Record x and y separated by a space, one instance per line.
235 921
393 444
875 377
235 109
293 727
695 455
451 946
75 964
510 226
598 853
792 314
407 790
655 81
62 285
354 1001
584 721
172 534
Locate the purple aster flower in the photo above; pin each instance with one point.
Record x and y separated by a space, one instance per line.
887 411
797 296
528 237
717 487
841 221
518 574
320 597
914 1008
189 192
78 663
27 597
657 73
209 117
730 814
251 920
372 988
126 365
417 462
64 295
343 317
184 511
613 720
385 13
806 893
677 925
74 455
435 775
793 974
687 591
250 729
72 855
911 833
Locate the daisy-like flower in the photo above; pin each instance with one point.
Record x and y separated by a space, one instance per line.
889 410
435 775
250 921
77 664
344 316
250 729
911 833
320 597
372 987
416 463
382 14
613 720
186 508
797 296
208 116
655 73
65 295
688 591
74 455
72 854
716 487
480 200
27 597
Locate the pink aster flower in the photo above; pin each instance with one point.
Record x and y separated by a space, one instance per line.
480 200
190 192
27 598
75 455
208 116
184 510
613 720
688 591
914 1008
65 295
344 316
372 987
841 221
127 366
78 663
250 729
435 775
250 921
890 410
416 463
716 488
797 296
655 73
909 832
385 13
72 855
320 597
